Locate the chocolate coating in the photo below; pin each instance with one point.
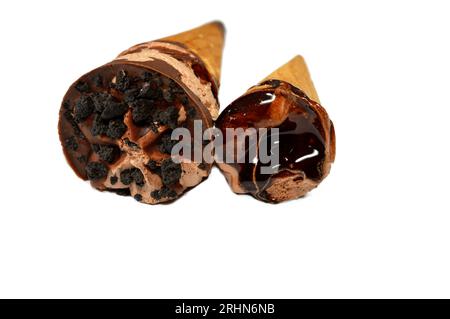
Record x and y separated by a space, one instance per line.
306 141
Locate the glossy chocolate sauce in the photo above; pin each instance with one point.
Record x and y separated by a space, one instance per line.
276 104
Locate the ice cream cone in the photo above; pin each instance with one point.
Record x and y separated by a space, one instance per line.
296 73
116 121
304 149
206 42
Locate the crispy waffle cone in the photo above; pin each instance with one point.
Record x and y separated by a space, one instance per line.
206 42
296 73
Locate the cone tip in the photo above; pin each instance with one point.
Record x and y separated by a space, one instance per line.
219 24
296 73
297 57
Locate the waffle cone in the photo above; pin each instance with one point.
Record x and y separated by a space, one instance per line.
206 42
296 73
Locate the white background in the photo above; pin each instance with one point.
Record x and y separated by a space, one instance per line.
378 226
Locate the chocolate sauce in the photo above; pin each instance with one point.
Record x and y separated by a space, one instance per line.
301 145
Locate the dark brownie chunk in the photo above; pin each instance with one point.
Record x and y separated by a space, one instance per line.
168 96
113 180
168 116
99 126
138 197
123 81
164 192
151 165
142 111
82 87
83 108
116 128
113 110
131 95
126 176
96 170
138 177
167 192
166 143
156 82
170 172
107 153
155 195
71 143
150 92
100 101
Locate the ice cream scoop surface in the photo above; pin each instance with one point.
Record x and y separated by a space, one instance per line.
115 127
